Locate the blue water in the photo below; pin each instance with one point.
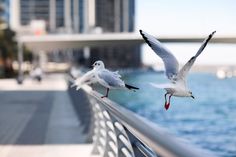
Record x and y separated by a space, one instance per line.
209 121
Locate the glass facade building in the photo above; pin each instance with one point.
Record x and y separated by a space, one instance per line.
116 16
59 13
34 10
109 15
88 16
41 10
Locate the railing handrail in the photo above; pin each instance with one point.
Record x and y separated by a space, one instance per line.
158 139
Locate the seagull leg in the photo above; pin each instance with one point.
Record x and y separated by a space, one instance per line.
165 99
106 94
167 105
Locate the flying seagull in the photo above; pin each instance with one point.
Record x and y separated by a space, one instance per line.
178 86
109 79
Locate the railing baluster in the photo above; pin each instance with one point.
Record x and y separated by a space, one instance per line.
98 117
124 148
111 143
116 139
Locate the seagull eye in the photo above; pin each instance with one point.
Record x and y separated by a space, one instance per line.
98 64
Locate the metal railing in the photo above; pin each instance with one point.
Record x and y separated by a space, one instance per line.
118 132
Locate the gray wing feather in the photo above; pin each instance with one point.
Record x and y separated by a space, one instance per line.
87 78
185 69
171 63
111 78
117 74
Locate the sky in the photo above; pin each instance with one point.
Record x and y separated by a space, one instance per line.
189 17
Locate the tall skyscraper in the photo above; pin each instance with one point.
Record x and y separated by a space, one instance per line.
116 16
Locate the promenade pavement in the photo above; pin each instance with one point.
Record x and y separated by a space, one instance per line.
37 119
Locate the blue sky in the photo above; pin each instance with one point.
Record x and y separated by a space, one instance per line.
189 17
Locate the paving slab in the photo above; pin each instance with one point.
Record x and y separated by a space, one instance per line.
38 119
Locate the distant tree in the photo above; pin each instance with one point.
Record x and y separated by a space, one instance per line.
8 49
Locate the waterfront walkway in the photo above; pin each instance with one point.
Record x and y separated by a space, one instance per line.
39 120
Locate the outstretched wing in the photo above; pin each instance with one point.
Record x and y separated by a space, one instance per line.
171 63
185 69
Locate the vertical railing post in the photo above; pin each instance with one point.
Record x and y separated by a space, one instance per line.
139 148
20 62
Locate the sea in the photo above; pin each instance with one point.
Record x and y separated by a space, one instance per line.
208 121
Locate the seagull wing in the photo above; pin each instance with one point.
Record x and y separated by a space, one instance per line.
111 78
185 69
163 86
171 63
87 78
117 74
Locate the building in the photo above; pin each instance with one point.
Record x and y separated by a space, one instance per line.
4 11
116 16
80 16
59 16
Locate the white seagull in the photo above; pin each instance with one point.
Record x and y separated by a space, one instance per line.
178 86
109 79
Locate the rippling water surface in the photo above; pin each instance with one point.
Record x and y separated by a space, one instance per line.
209 121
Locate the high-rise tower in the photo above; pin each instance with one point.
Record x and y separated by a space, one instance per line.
116 16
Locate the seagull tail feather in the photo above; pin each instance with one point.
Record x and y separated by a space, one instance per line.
131 87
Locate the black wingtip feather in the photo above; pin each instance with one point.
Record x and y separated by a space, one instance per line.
130 87
208 39
145 38
211 35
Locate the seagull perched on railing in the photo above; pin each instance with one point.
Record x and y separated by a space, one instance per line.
109 79
178 86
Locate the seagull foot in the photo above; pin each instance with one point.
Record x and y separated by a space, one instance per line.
167 105
104 96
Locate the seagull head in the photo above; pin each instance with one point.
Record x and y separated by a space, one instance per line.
191 94
98 65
